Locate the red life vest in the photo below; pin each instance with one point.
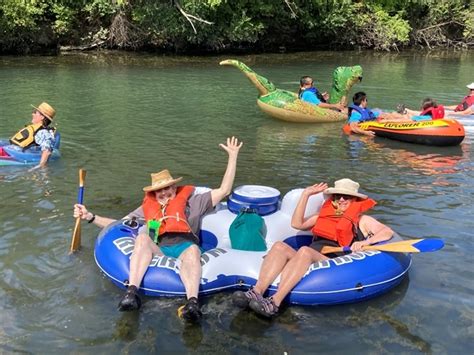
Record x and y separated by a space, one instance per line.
465 103
435 112
172 215
340 228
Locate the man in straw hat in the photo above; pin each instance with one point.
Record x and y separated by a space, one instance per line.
38 133
173 221
339 222
466 107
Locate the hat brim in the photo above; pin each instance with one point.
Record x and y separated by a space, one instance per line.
45 115
470 87
162 185
333 190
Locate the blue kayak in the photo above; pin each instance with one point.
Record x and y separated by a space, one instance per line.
11 154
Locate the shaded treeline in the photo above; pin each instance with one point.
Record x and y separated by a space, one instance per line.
213 26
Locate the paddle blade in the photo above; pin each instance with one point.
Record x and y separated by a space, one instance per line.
427 245
76 236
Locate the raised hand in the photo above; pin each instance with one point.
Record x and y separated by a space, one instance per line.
232 147
316 188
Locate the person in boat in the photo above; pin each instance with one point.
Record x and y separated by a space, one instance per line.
340 222
430 110
309 93
173 215
359 112
466 107
38 133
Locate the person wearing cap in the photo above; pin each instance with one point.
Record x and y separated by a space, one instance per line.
173 216
339 222
38 133
309 93
466 107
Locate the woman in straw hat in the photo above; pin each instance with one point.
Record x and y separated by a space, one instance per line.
38 133
338 223
173 216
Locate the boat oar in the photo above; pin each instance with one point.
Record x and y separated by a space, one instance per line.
76 234
405 246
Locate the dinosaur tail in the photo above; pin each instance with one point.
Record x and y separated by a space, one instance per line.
263 85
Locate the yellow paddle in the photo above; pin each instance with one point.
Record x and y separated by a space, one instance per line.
405 246
76 234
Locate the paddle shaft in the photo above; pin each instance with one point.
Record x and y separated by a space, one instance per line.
405 246
76 234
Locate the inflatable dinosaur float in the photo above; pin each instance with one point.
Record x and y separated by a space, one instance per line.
285 105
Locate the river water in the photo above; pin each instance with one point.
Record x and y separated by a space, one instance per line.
123 116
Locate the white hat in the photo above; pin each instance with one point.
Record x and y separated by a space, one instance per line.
345 187
470 86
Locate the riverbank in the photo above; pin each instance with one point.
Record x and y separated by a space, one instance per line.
215 27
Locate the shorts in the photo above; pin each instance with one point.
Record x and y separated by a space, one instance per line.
421 118
319 243
176 250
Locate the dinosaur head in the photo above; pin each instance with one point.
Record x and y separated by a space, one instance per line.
343 80
263 85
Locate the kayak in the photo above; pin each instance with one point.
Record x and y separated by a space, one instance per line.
11 154
442 132
286 106
350 278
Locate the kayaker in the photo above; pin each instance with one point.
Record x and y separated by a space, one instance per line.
309 93
173 217
340 222
38 133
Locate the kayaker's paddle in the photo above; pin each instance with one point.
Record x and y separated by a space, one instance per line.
405 246
76 234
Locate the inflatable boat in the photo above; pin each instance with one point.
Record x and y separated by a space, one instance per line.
442 132
11 154
285 105
349 278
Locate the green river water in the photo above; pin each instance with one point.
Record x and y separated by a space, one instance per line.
123 116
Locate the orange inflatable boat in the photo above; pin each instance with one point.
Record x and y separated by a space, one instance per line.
442 132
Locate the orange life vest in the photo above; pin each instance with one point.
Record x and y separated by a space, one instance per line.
340 228
172 215
435 112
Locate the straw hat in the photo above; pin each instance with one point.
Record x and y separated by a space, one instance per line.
161 180
470 86
345 187
46 110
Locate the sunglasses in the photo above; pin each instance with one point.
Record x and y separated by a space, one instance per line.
337 197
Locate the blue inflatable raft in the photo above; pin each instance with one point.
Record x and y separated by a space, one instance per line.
11 154
350 278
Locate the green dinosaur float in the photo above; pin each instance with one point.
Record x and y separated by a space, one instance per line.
285 105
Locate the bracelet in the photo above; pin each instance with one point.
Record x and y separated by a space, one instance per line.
92 219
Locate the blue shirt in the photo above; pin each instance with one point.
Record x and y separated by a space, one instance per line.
310 97
356 116
45 139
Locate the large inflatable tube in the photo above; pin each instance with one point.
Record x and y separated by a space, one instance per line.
442 132
350 278
11 154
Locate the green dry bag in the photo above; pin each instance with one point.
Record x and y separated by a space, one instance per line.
247 231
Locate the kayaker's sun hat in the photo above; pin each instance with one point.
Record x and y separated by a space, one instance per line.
46 110
161 180
345 187
470 86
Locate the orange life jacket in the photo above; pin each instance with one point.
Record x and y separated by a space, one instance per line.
340 228
172 215
435 112
466 102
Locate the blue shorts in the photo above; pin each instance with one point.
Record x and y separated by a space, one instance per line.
421 118
176 250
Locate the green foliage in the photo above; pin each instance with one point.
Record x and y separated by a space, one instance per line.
217 25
